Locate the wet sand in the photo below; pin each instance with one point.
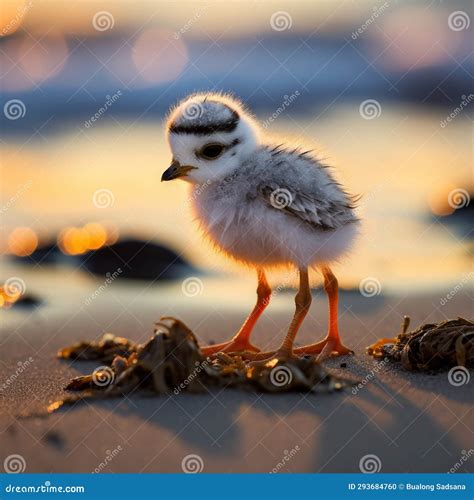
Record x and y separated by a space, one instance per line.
411 422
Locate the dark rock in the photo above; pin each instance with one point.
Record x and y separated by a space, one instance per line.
459 212
464 213
47 253
27 301
129 258
136 259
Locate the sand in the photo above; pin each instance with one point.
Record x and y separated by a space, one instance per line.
410 422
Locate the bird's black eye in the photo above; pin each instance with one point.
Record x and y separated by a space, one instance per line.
211 151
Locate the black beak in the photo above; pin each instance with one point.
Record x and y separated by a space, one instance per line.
171 172
175 170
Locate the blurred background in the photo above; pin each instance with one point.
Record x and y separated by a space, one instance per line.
381 90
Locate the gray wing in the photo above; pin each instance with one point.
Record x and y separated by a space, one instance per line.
315 210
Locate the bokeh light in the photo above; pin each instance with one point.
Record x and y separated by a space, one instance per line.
43 58
8 296
73 240
22 241
12 15
158 56
97 235
92 236
407 47
28 61
438 201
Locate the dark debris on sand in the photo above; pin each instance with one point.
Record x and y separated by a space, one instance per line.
172 362
431 347
104 349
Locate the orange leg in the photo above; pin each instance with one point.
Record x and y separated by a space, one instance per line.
241 341
332 343
302 301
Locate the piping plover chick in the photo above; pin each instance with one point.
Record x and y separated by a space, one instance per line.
264 206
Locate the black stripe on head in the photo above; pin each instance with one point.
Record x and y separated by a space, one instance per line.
197 127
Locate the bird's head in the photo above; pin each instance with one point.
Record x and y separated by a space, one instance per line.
210 136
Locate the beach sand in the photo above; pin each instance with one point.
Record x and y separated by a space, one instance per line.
412 422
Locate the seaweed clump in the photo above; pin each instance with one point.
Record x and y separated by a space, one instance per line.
431 347
172 362
104 349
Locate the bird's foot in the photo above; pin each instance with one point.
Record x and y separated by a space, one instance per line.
233 346
330 346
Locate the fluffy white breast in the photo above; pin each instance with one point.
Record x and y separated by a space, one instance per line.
241 223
